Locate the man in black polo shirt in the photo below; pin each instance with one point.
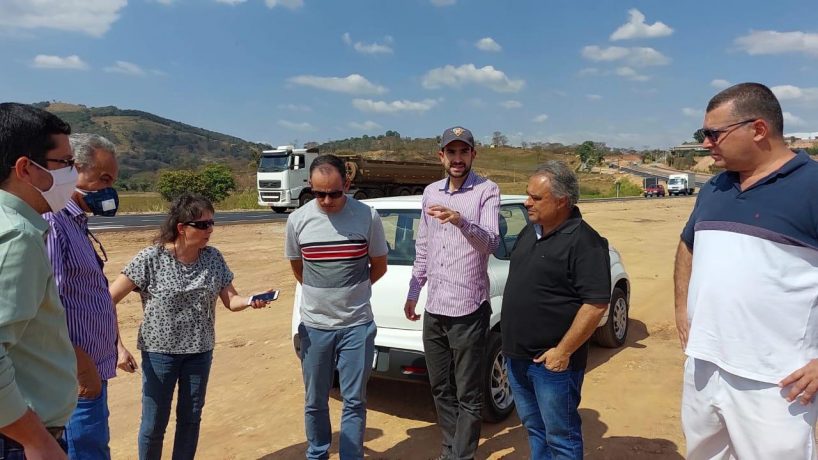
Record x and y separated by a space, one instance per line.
558 288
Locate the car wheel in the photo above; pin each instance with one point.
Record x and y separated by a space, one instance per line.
614 332
305 198
497 399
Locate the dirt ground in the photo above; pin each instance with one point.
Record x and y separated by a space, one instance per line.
254 410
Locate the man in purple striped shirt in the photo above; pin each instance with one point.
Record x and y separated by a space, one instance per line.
457 233
83 289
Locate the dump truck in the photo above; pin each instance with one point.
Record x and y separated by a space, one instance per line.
282 178
681 184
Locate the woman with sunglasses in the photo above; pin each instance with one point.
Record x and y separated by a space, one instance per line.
179 279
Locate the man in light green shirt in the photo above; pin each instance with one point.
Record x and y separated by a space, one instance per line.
38 380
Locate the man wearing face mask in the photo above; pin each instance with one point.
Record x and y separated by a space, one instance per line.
38 380
83 289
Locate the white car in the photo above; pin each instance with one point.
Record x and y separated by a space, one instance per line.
399 342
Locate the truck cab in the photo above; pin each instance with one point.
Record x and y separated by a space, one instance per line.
282 178
681 184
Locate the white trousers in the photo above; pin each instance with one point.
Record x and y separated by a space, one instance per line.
725 416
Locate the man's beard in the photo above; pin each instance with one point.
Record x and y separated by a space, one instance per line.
466 170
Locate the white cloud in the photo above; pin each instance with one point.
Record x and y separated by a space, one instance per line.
772 42
91 17
231 2
488 44
127 68
793 120
365 126
593 97
351 84
794 93
540 118
296 126
369 48
368 105
630 74
443 2
476 102
636 56
589 71
693 113
511 104
637 28
295 107
720 84
73 62
291 4
486 76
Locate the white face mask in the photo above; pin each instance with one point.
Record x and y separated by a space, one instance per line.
64 181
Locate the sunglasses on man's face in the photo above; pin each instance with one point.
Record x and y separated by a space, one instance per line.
201 224
714 133
335 194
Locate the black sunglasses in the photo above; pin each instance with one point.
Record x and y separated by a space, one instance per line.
714 133
201 224
335 194
69 162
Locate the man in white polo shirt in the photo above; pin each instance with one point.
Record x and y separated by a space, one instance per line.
747 289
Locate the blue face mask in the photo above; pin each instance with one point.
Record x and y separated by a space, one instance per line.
103 202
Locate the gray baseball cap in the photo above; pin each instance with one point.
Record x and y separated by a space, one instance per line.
457 133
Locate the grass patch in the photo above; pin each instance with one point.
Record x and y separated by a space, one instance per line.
153 202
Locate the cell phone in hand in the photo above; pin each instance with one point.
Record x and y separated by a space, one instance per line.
268 296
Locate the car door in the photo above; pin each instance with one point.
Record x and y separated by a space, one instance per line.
513 218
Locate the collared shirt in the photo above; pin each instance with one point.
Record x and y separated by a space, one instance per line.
550 277
38 368
752 301
83 287
453 260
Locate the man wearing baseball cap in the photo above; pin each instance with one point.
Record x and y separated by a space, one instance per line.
457 233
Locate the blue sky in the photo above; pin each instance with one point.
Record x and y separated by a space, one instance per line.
632 74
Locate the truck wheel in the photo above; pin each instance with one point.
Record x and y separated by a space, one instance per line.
305 198
403 191
278 209
417 191
498 401
614 332
360 195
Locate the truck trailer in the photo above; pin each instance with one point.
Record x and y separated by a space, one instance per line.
681 184
282 179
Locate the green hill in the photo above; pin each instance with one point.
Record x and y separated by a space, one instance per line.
148 143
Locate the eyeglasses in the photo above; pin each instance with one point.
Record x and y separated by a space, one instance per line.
335 194
201 224
714 133
69 162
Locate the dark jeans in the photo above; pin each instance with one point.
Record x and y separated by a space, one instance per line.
455 349
160 373
547 404
12 450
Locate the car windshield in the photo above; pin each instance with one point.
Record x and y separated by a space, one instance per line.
675 180
273 163
400 227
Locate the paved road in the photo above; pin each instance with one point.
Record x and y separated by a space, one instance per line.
127 222
649 172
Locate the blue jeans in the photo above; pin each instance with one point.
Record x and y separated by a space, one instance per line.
351 350
160 373
547 404
87 432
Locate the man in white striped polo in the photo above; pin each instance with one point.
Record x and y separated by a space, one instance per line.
457 233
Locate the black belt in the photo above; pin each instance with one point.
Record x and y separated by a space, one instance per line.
56 431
